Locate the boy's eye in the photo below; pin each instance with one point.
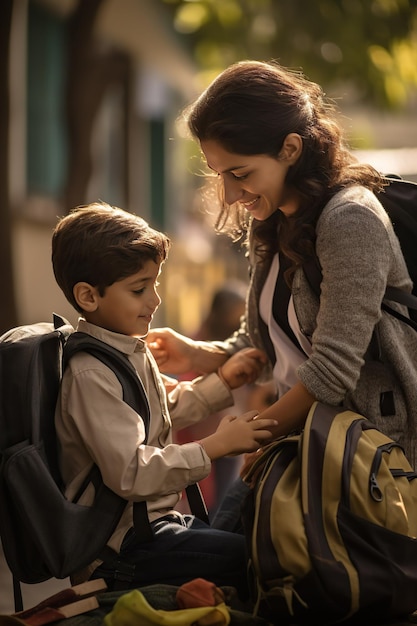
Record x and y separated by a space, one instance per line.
142 289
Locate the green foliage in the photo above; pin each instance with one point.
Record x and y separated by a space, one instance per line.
369 46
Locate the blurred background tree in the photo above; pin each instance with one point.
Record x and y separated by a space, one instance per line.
366 49
90 93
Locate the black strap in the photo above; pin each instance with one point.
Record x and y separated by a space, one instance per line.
312 270
17 594
196 502
401 296
133 391
281 299
399 316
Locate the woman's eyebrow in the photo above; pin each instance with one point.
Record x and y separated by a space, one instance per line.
229 169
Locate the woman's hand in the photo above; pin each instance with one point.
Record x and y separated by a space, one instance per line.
290 411
177 354
243 367
236 435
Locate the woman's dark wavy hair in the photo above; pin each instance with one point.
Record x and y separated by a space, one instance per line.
249 109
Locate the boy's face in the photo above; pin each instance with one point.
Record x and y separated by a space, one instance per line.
128 305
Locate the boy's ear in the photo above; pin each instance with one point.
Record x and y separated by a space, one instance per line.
291 148
86 296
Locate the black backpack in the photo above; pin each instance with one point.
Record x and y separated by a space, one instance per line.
43 534
399 199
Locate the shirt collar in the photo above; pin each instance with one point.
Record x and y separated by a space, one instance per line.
123 343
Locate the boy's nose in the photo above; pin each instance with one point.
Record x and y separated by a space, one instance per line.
156 300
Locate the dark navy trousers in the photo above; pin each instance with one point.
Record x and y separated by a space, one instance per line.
184 548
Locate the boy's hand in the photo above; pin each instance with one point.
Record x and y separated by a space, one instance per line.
177 354
243 367
236 435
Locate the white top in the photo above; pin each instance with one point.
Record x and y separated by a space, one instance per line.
288 355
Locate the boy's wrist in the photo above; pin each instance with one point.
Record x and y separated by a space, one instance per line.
212 447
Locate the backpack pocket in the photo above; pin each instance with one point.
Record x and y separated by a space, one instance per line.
43 533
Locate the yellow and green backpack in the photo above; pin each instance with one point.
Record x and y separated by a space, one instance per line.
331 524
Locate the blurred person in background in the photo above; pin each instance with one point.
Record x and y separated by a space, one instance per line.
222 320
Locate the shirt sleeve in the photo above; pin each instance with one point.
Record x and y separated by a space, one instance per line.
96 425
192 401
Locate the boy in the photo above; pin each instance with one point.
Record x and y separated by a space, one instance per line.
107 263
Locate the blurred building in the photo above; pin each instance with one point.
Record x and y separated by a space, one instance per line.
95 90
102 131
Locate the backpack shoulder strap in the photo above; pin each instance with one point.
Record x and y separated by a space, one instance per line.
402 297
391 294
399 199
133 391
312 271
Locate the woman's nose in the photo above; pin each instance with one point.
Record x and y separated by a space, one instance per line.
232 190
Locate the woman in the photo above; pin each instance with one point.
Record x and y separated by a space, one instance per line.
290 184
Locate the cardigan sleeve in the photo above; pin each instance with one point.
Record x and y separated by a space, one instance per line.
358 253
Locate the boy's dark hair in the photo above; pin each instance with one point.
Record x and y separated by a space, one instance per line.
101 244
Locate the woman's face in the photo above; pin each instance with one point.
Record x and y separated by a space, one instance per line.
255 181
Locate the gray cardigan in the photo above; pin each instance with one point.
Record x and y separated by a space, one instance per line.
360 255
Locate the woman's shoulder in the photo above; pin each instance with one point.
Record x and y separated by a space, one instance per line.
356 203
354 223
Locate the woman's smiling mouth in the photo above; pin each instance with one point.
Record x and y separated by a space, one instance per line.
247 205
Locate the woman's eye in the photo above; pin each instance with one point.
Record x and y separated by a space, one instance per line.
241 177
